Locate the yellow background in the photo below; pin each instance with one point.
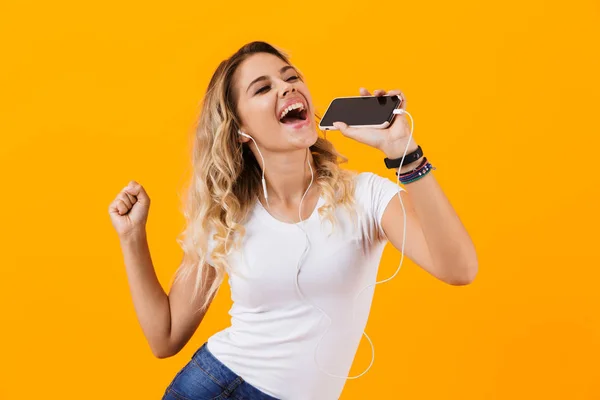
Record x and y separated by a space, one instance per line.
505 97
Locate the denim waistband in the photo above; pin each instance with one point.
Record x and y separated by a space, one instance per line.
225 377
212 366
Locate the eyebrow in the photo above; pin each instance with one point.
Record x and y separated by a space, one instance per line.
262 78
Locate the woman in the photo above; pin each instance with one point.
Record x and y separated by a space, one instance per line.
296 250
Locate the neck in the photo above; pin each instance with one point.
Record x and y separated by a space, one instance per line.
288 175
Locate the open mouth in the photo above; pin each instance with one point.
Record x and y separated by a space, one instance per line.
294 116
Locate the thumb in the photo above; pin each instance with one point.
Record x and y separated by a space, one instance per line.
345 129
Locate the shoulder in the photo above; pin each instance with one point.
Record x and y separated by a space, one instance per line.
365 177
369 184
374 192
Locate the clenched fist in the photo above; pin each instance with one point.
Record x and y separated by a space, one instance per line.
129 210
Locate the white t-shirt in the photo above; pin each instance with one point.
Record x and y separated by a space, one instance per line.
273 334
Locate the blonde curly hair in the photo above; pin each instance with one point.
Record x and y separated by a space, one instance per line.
226 178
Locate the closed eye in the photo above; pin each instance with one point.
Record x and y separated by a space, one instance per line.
267 87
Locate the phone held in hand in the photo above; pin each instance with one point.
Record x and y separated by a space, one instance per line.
361 111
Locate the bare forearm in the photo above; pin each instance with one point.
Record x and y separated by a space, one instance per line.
452 251
448 240
150 301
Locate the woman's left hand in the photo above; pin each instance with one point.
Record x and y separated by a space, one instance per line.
391 140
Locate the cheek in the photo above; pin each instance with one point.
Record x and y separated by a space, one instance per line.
257 115
262 113
307 96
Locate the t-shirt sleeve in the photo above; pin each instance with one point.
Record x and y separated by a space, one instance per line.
376 193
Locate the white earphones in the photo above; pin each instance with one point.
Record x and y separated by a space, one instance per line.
264 184
396 111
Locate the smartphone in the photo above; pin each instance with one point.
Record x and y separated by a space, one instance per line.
361 111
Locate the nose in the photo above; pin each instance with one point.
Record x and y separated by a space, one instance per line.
289 87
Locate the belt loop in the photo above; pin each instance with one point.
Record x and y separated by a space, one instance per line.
232 386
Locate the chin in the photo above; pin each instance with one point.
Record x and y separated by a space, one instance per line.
306 135
306 138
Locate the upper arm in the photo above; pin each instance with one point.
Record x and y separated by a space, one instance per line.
185 314
392 223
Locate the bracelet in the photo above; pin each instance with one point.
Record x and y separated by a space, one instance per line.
417 173
424 167
405 174
426 170
404 182
409 158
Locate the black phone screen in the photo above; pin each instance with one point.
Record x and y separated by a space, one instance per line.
368 110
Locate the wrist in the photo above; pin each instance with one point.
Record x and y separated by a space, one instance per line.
134 236
409 167
396 150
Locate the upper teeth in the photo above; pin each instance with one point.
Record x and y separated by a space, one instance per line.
290 108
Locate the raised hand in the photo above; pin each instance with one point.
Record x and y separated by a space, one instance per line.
129 210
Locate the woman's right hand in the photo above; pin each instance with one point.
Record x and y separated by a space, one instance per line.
129 210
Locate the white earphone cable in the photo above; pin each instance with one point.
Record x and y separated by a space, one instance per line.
396 111
306 249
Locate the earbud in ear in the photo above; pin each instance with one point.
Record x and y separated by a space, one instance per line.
243 134
264 184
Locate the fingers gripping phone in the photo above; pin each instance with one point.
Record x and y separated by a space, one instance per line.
361 111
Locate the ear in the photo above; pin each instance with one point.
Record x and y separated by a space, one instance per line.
242 138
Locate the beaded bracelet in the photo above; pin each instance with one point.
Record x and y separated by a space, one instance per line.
421 164
427 169
409 174
419 172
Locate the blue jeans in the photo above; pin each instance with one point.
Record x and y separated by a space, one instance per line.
204 377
